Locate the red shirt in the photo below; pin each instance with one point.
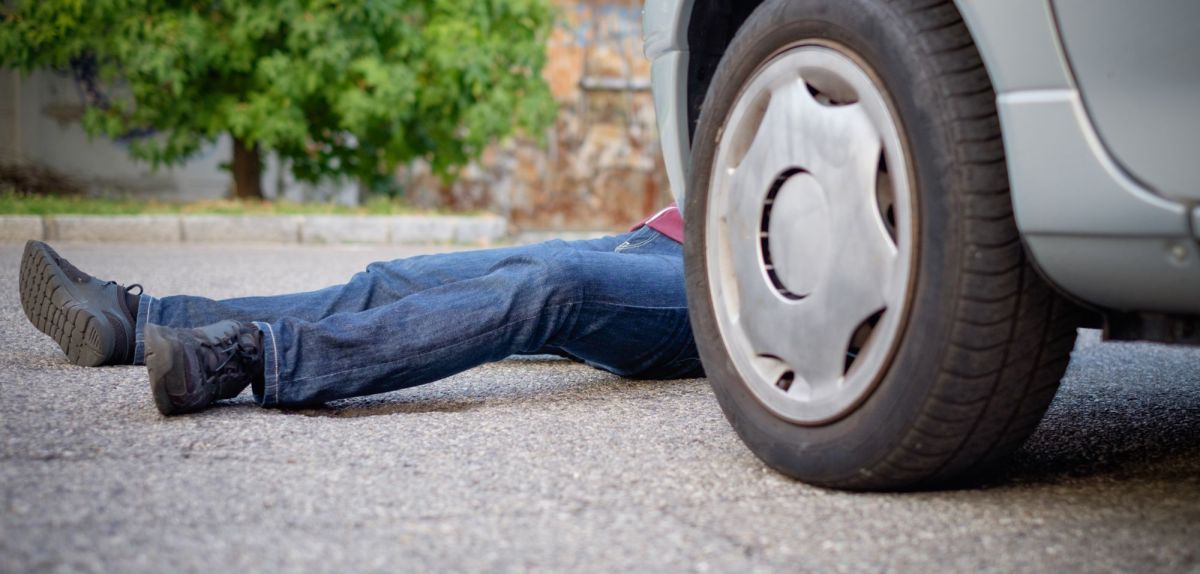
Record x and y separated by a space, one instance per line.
668 222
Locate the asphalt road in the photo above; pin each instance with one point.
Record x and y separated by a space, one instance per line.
543 465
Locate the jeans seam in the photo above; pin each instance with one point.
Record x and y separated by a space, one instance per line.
634 241
275 357
274 352
139 329
411 357
629 245
615 304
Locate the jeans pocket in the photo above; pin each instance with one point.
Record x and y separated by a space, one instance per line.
640 238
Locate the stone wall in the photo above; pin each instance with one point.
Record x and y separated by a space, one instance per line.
600 165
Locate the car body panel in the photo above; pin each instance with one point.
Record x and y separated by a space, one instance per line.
1128 274
1063 183
664 25
670 104
1033 61
1095 230
1137 65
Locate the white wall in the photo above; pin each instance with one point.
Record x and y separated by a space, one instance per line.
39 123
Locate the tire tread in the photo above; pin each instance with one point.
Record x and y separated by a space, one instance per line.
1009 334
1021 387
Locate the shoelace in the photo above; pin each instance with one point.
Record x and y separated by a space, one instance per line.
127 288
231 348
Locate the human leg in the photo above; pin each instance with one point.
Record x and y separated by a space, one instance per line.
380 284
620 311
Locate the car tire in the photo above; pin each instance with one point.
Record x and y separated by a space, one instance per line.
978 341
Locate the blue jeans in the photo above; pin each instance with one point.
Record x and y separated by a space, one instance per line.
616 303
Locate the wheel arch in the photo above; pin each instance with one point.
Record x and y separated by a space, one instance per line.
1081 251
711 27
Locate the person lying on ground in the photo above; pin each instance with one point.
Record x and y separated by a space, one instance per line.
616 303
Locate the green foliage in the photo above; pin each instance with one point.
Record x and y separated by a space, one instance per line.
339 87
16 203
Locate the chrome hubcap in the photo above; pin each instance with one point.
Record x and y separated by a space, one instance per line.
810 224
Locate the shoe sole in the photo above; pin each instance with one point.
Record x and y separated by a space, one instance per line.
48 301
160 364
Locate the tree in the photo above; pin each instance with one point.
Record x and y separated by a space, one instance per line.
337 87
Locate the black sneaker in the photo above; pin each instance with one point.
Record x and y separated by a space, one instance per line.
90 319
190 369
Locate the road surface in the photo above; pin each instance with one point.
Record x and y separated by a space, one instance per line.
543 465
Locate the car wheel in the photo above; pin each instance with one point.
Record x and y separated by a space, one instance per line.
859 293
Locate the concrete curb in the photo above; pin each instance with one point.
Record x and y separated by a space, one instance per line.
312 229
21 227
227 228
149 228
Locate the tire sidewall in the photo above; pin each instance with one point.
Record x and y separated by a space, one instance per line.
844 452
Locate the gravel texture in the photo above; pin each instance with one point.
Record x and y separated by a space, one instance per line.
542 465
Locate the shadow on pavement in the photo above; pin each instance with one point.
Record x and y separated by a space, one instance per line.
381 408
400 403
1115 418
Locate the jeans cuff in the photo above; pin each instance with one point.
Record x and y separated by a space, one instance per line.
145 302
270 391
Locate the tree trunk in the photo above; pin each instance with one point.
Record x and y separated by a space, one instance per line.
247 171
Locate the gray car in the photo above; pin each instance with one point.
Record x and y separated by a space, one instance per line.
898 212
